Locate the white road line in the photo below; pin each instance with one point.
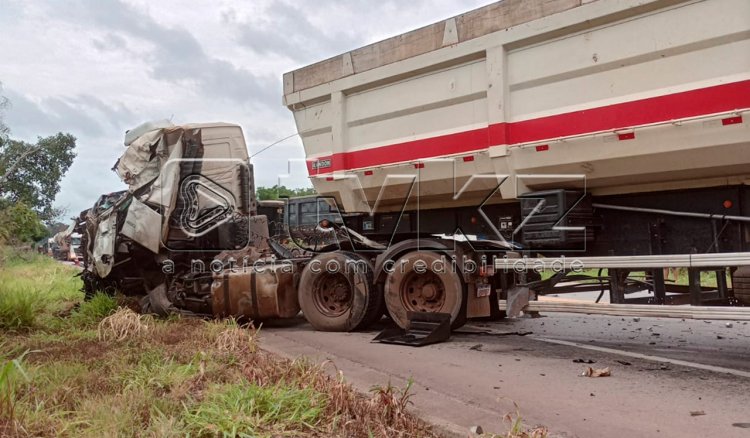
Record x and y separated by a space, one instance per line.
647 357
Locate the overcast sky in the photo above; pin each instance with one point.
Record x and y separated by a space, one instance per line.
97 68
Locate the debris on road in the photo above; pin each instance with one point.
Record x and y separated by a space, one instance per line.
697 413
729 325
623 362
584 361
476 430
596 372
477 347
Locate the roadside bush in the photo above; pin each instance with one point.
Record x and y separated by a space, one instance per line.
19 224
91 312
19 307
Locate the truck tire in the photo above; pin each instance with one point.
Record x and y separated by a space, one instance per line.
741 285
375 307
335 298
417 283
376 301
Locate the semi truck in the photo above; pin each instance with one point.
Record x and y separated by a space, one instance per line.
462 169
66 245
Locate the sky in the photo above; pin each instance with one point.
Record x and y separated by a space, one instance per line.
96 68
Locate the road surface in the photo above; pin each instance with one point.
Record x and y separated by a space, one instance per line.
670 378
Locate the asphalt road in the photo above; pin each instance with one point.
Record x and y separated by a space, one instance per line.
670 378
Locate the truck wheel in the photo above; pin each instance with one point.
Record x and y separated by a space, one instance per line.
375 307
425 282
375 300
334 296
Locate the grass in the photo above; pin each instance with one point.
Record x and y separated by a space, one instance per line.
32 285
517 428
70 368
250 410
708 279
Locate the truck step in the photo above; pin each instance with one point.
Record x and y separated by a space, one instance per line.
423 328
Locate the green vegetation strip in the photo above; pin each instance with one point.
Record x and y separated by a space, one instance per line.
93 369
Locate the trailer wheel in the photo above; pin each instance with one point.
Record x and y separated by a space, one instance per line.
333 296
424 282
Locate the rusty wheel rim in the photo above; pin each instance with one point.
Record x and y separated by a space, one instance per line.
423 292
332 294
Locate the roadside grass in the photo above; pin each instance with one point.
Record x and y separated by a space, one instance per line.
90 369
31 286
677 276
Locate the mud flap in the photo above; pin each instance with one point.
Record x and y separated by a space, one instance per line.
518 298
423 328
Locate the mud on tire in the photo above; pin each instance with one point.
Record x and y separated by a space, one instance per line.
336 292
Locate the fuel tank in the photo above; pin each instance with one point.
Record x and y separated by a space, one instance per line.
256 292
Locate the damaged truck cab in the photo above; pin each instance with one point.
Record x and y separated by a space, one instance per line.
189 212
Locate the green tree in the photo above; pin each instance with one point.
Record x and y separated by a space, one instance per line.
30 177
19 224
277 191
31 173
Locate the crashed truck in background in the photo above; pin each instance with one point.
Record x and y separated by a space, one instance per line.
189 207
66 244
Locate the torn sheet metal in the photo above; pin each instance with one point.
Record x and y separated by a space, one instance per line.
104 245
163 191
143 225
144 128
518 298
145 155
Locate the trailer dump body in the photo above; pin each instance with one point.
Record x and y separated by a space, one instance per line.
607 97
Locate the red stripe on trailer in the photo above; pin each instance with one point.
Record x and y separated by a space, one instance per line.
635 113
542 148
626 136
693 103
731 120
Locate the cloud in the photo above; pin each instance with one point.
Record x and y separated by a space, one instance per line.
176 55
110 42
96 68
286 31
81 115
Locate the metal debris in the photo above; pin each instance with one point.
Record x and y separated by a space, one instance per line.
596 372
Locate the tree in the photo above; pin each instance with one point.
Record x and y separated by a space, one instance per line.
277 191
31 173
19 224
